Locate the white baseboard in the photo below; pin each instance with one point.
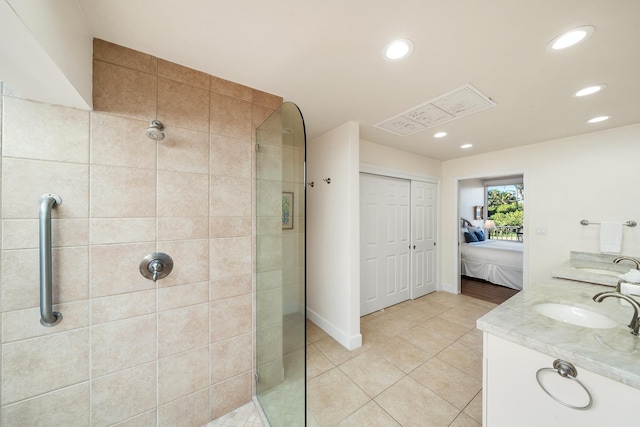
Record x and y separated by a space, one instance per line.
348 342
451 288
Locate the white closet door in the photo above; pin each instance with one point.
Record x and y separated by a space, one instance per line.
423 238
384 242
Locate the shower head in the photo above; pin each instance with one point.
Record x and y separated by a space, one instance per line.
155 131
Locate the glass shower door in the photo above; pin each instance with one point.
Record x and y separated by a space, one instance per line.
280 267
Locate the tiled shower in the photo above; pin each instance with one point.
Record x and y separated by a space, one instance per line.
131 352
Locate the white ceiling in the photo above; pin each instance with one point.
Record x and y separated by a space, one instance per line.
325 56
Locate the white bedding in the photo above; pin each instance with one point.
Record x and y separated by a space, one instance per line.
496 261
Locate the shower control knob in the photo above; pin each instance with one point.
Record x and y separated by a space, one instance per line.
156 266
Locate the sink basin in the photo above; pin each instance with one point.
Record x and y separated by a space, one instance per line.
599 271
575 315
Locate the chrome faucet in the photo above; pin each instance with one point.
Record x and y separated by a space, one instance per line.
628 258
635 321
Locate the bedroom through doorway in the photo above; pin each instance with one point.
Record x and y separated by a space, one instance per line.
491 241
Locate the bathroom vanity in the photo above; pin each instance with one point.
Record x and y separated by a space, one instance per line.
521 345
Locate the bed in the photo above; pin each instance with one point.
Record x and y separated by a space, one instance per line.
496 261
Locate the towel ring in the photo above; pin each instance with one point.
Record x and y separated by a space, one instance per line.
565 370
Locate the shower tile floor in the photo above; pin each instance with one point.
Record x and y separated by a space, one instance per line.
420 365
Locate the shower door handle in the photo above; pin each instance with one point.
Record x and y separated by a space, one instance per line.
48 317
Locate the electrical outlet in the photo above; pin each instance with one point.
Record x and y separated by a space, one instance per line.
541 231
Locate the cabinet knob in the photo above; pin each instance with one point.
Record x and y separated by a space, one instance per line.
565 370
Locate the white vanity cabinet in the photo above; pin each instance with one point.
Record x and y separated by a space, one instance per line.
513 397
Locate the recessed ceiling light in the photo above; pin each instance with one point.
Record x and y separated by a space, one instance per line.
439 134
570 38
590 90
397 49
465 146
598 119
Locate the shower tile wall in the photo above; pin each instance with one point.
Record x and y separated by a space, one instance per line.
128 351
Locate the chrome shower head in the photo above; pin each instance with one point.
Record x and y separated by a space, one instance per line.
155 131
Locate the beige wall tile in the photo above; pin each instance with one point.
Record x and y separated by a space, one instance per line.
260 114
146 419
24 181
183 374
270 159
230 287
126 57
123 91
190 259
66 407
122 192
122 395
272 343
230 196
224 226
24 324
230 156
230 257
136 340
182 295
62 360
269 307
121 141
35 130
269 198
24 233
226 87
230 394
182 194
21 277
183 105
269 252
122 230
182 74
266 99
231 317
182 228
183 329
184 150
114 269
230 116
230 358
124 306
191 410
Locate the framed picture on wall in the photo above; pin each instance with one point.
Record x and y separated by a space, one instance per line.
287 211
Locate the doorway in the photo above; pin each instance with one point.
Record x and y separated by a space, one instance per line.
397 240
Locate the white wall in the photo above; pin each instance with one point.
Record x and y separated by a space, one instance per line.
46 52
471 194
376 154
594 176
333 234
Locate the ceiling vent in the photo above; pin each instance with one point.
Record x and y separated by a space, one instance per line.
450 106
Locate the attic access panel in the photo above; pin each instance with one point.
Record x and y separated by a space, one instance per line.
450 106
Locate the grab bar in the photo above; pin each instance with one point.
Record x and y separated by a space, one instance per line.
48 317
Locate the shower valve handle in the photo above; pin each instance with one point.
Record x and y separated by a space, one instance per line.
156 266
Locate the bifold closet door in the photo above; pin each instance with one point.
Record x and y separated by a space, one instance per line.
384 242
423 238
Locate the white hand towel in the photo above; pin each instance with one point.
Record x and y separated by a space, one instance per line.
611 237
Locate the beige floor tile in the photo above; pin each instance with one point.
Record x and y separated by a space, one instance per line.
427 340
332 396
466 359
448 382
411 404
335 352
474 408
465 314
371 373
402 354
472 339
314 333
464 420
317 363
370 415
446 327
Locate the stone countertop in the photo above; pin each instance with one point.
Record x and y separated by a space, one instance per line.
613 353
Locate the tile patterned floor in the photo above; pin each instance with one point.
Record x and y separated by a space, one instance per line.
420 365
